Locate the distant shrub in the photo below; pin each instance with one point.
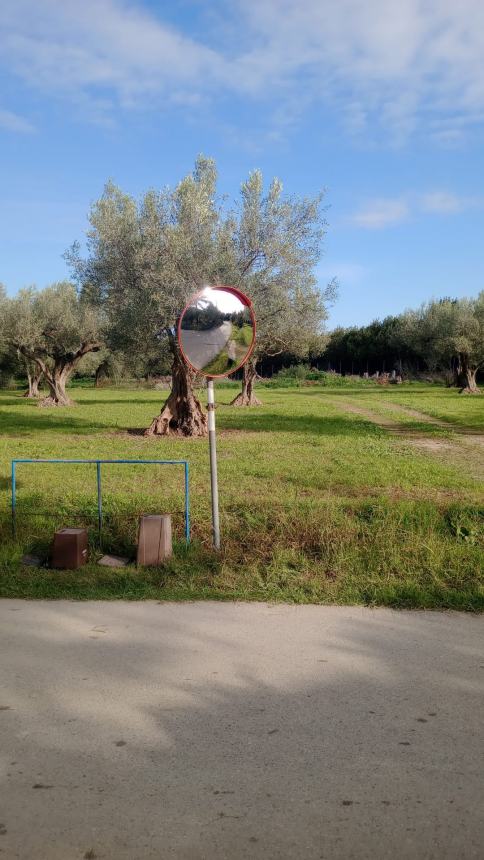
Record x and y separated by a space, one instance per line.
295 371
335 380
303 374
7 380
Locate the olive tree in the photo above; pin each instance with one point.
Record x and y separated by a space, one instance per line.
468 342
145 259
277 243
449 333
52 329
11 360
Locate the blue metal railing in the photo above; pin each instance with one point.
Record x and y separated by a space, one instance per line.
98 463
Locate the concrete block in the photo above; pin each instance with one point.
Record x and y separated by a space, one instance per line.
154 539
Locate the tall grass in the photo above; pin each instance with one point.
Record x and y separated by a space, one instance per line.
317 505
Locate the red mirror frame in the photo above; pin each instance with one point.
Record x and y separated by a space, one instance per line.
245 301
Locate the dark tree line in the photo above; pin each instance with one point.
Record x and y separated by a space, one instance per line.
444 336
382 346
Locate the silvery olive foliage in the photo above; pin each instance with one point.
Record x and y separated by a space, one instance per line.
53 328
278 243
146 258
450 333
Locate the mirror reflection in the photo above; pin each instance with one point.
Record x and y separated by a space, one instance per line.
216 332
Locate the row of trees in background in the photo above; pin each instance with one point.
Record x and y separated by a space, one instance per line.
143 262
49 335
445 335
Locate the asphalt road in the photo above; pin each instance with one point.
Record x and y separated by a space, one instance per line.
227 731
201 347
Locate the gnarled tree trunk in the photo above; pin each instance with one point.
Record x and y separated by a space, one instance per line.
57 380
34 378
182 413
467 378
58 371
247 396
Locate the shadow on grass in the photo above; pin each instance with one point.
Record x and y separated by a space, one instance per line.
378 391
271 422
124 401
45 419
17 400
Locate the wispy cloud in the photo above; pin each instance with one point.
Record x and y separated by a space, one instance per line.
382 64
390 211
381 213
106 51
13 122
445 203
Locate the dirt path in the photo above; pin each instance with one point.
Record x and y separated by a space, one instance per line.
202 347
465 446
421 416
381 420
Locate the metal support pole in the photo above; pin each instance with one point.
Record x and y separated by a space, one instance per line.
187 504
213 463
99 500
14 501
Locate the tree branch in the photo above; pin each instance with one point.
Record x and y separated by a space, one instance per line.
88 346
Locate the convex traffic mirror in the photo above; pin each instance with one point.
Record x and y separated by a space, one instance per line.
216 331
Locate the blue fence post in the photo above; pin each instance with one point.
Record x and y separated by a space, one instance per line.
14 501
99 500
99 486
187 503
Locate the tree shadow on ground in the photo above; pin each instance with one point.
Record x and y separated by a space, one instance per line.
16 400
135 400
377 391
139 432
53 420
315 425
238 731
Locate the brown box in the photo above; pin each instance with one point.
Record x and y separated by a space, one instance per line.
70 549
154 539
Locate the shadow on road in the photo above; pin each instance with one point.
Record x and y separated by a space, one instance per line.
234 731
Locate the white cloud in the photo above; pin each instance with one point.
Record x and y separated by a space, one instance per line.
13 122
386 212
383 64
102 48
381 213
443 202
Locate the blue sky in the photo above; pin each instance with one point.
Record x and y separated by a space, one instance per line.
379 102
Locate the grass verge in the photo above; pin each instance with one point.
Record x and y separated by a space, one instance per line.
318 505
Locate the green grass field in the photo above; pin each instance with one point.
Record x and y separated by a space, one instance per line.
352 495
